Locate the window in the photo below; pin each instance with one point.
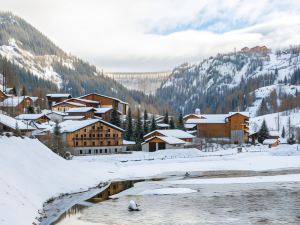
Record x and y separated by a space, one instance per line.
98 135
101 151
116 150
84 130
96 151
108 143
101 142
108 130
80 152
93 143
90 151
93 127
76 143
105 150
90 135
84 143
76 135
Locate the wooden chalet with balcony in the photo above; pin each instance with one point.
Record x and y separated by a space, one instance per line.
92 137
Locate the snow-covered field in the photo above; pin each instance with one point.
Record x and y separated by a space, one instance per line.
30 173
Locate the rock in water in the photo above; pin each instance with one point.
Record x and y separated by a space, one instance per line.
133 206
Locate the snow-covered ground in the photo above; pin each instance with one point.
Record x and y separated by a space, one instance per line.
30 173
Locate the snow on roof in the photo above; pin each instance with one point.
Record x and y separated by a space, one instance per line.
173 133
172 140
247 114
29 116
73 117
58 95
102 110
54 111
73 125
14 101
199 116
162 125
70 103
270 141
79 110
84 100
189 125
11 122
104 96
44 126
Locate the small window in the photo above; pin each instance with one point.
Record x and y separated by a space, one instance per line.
84 130
98 135
80 152
105 150
84 143
108 143
93 127
116 150
90 151
93 143
101 151
108 130
96 151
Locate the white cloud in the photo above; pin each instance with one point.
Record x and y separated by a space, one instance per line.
150 35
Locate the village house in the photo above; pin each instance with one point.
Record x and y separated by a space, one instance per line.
85 112
65 106
3 96
9 124
17 105
271 142
55 98
166 139
54 115
231 127
86 102
37 118
107 102
92 137
104 113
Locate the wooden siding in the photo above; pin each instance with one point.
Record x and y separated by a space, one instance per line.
97 134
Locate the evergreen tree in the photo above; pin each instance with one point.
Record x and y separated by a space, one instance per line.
180 123
30 109
153 124
129 129
24 91
14 91
263 107
57 138
263 133
17 131
172 125
146 126
138 131
115 118
283 133
166 118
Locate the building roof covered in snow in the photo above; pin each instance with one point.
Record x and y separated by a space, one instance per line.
270 141
74 117
172 133
12 123
14 101
59 95
30 116
215 118
80 110
103 110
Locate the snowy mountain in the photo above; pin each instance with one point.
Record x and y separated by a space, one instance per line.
234 81
30 59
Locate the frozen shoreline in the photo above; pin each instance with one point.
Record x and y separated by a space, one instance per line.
30 173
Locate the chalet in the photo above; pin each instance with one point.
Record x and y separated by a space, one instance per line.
37 118
106 101
9 124
191 116
3 96
271 142
17 105
55 98
166 139
232 127
92 136
65 106
86 112
54 115
104 113
86 102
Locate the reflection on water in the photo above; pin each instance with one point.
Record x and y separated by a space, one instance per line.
262 203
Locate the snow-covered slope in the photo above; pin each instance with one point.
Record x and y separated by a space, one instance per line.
224 82
30 173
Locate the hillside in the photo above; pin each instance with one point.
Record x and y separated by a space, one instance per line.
236 81
29 58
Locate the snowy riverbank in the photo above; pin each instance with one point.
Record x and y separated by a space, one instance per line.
30 173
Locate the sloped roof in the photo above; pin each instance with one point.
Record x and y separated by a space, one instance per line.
270 141
14 101
80 109
73 117
11 122
104 96
172 133
215 118
30 116
70 103
102 110
59 95
169 140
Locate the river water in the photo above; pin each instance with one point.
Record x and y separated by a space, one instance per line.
256 203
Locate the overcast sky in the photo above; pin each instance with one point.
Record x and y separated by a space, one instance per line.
153 35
